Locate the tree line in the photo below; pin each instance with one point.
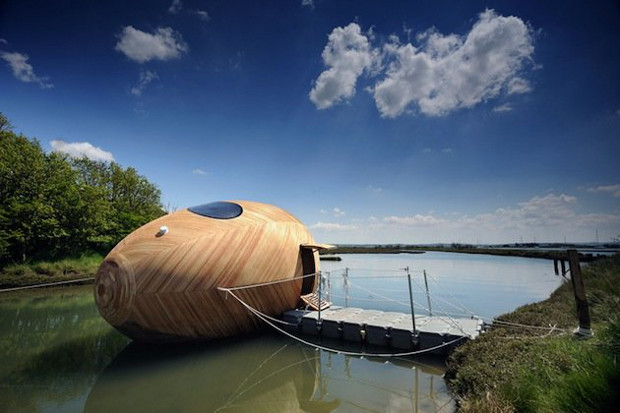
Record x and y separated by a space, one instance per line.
54 206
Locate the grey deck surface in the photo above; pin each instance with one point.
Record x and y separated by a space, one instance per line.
389 329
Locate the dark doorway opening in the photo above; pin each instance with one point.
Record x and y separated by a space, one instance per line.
307 263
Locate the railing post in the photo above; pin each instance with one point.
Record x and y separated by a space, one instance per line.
329 285
583 312
411 300
346 287
428 296
320 288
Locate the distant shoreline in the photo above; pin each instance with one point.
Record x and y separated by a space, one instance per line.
510 252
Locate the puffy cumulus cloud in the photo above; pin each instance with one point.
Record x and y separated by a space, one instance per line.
81 149
449 72
347 54
613 190
23 70
535 214
333 226
338 212
145 78
308 3
440 74
549 210
141 47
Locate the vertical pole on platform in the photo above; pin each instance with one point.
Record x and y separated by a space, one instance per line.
346 287
320 288
428 296
329 285
411 299
583 312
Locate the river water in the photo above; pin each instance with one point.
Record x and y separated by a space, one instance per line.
60 356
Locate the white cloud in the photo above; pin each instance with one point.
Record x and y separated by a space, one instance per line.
81 149
139 46
545 211
438 75
332 226
502 108
199 171
203 15
308 3
146 77
3 41
23 70
449 72
517 86
347 54
414 220
338 212
614 190
175 7
546 218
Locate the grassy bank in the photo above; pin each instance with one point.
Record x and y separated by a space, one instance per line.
18 275
516 369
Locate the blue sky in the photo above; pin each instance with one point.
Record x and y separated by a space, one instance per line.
373 122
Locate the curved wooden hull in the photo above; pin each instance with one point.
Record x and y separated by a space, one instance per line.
155 287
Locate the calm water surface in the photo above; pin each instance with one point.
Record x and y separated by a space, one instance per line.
60 356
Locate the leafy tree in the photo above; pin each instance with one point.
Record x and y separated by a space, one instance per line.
26 213
133 200
5 125
53 206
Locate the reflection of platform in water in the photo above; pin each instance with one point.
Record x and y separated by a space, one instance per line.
386 329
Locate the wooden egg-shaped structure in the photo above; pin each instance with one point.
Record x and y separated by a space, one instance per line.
161 282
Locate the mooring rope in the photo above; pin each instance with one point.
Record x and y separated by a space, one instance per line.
510 324
436 282
265 319
271 282
248 376
230 403
492 320
552 328
450 320
45 285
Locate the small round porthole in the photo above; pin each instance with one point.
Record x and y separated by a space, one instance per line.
218 210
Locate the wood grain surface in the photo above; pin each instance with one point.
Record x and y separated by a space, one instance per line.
154 287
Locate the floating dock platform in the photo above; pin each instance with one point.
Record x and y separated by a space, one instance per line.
385 329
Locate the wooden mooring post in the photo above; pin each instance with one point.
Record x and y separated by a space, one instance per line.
579 290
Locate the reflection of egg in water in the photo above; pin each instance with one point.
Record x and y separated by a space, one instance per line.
161 282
